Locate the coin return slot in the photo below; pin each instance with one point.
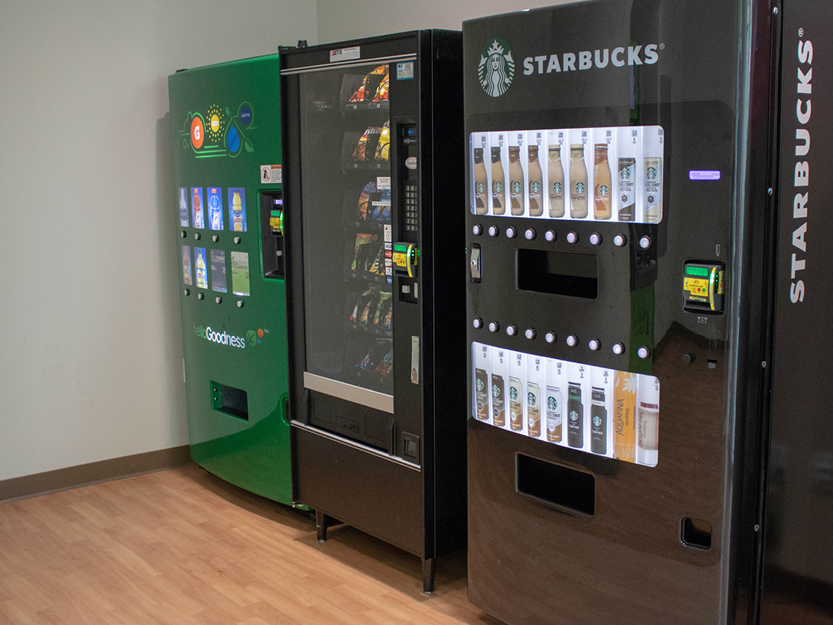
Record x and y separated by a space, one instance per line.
554 485
697 533
558 273
232 401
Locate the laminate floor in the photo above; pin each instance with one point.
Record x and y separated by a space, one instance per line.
183 547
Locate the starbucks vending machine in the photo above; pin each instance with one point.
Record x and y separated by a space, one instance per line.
373 161
646 440
225 147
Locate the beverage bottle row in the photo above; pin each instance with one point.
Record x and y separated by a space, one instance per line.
593 174
600 411
197 217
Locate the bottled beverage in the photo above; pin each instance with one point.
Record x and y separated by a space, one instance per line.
183 208
578 182
516 181
214 209
647 429
498 387
534 378
498 179
186 264
236 213
481 382
598 421
601 181
481 202
536 203
653 189
202 278
575 414
627 187
556 182
198 222
517 371
553 414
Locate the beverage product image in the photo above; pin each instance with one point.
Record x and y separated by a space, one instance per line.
186 265
598 421
517 371
202 275
237 213
536 200
578 182
624 416
601 183
481 201
554 414
196 205
575 415
215 209
516 181
183 207
555 181
627 198
498 191
481 382
535 377
653 175
648 422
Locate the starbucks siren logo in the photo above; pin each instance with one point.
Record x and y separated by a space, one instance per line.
496 68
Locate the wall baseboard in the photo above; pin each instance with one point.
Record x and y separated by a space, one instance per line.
93 473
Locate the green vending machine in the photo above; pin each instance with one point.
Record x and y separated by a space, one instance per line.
225 145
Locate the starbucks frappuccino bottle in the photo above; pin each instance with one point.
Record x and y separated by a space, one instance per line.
516 181
481 201
556 182
601 178
536 205
498 196
578 182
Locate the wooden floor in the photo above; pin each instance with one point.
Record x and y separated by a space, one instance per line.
184 547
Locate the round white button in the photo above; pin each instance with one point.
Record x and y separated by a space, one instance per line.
477 323
218 299
187 292
494 231
529 234
494 326
572 237
549 235
550 337
511 330
200 296
511 232
477 230
645 242
595 238
240 303
572 340
594 344
618 349
643 352
530 333
619 240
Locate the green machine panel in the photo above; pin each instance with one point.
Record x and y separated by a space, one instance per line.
226 219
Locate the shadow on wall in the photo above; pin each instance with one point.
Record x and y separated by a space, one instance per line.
169 282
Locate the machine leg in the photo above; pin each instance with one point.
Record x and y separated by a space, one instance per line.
429 567
321 523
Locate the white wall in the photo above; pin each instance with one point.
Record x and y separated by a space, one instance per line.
350 19
90 346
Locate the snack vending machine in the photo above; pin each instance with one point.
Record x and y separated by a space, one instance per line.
225 147
640 312
373 159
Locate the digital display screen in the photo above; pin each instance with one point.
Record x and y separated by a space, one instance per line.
558 273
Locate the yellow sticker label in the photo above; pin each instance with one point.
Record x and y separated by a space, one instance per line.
399 259
696 286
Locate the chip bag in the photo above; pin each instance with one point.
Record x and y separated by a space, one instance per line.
370 85
383 144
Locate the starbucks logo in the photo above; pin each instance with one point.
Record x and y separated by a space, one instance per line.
597 421
580 188
603 189
513 394
480 385
495 390
496 68
651 173
625 173
552 404
481 187
498 186
531 400
573 416
556 187
535 186
516 187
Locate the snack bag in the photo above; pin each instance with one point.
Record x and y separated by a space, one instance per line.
370 84
382 91
365 198
364 296
367 143
383 145
362 241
